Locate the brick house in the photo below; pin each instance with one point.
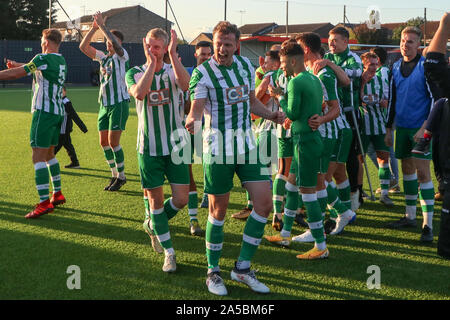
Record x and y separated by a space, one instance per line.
134 22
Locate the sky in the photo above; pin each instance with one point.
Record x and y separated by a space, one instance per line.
196 16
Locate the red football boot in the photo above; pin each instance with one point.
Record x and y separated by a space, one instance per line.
57 199
40 209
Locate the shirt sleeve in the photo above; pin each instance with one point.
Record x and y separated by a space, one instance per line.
330 85
197 86
385 82
125 56
292 106
99 56
39 62
132 77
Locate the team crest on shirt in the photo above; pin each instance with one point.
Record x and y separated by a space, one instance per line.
243 73
165 77
107 69
158 97
237 94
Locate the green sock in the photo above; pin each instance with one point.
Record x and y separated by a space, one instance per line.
160 225
337 207
147 208
249 201
278 191
214 241
427 203
322 198
119 159
42 180
170 209
109 156
193 205
411 188
384 175
290 209
344 193
253 232
314 217
55 174
300 200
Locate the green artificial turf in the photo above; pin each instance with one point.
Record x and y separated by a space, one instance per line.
101 233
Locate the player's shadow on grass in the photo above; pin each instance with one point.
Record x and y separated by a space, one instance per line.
103 170
337 265
66 219
81 174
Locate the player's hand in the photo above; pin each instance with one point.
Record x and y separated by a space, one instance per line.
445 20
11 63
262 62
278 117
275 91
366 77
98 18
388 138
148 53
173 43
315 121
94 25
287 123
190 124
319 65
419 134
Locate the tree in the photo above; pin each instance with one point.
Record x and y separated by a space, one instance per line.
24 20
414 22
370 36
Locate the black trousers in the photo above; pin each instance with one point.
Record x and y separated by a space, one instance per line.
436 163
352 164
66 142
443 246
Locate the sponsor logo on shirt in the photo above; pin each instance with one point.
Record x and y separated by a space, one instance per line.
158 97
237 94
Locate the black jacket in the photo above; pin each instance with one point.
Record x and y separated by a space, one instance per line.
444 138
70 115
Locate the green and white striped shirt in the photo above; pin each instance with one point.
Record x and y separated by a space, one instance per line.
330 92
160 126
113 68
282 82
374 119
384 73
50 72
227 130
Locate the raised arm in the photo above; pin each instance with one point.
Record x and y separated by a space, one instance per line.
439 41
85 46
13 73
98 18
181 74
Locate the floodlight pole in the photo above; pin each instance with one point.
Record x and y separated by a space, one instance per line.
167 30
287 18
425 26
225 11
49 14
